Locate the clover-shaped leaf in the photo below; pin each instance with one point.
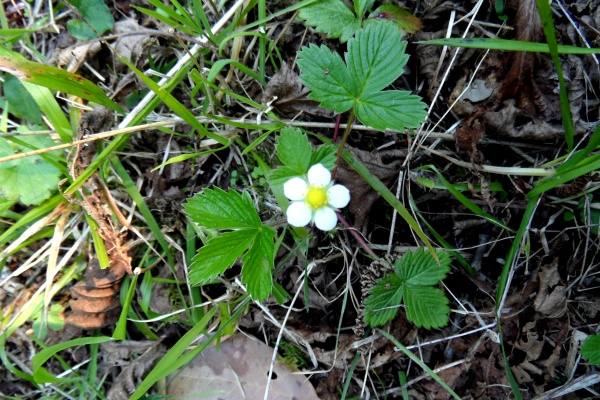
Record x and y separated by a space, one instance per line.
375 59
415 275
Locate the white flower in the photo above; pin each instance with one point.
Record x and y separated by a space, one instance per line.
315 199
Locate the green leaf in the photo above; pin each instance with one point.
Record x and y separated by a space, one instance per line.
21 102
294 150
250 240
394 109
375 59
326 75
218 209
219 254
54 321
324 155
420 268
508 45
95 12
413 280
31 180
590 350
403 19
55 79
331 17
258 263
281 175
382 304
361 6
426 306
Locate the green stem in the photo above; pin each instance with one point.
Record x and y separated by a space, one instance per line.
351 120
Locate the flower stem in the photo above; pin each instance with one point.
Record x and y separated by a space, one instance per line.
351 120
357 236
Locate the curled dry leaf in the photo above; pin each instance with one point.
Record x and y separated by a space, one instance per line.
551 299
127 355
292 96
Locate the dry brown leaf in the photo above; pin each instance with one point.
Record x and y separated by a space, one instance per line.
292 96
131 45
551 299
135 367
238 371
531 345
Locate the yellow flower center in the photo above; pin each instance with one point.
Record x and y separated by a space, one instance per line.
316 197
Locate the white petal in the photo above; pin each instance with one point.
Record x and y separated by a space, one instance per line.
318 175
325 219
338 196
295 189
298 214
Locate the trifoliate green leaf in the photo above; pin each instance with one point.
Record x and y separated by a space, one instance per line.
326 75
420 268
361 6
394 109
294 150
31 180
250 240
374 60
414 275
219 254
331 17
376 57
590 350
325 155
95 12
258 263
218 209
426 306
385 297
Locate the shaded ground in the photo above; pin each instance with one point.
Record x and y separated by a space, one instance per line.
508 117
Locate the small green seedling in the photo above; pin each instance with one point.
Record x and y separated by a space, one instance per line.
30 180
375 59
52 320
590 350
413 281
335 19
246 237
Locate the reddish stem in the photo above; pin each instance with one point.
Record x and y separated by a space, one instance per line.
357 236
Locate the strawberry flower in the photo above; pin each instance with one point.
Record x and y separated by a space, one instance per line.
315 199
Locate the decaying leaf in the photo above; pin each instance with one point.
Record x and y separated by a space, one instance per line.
292 96
136 358
238 371
551 299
